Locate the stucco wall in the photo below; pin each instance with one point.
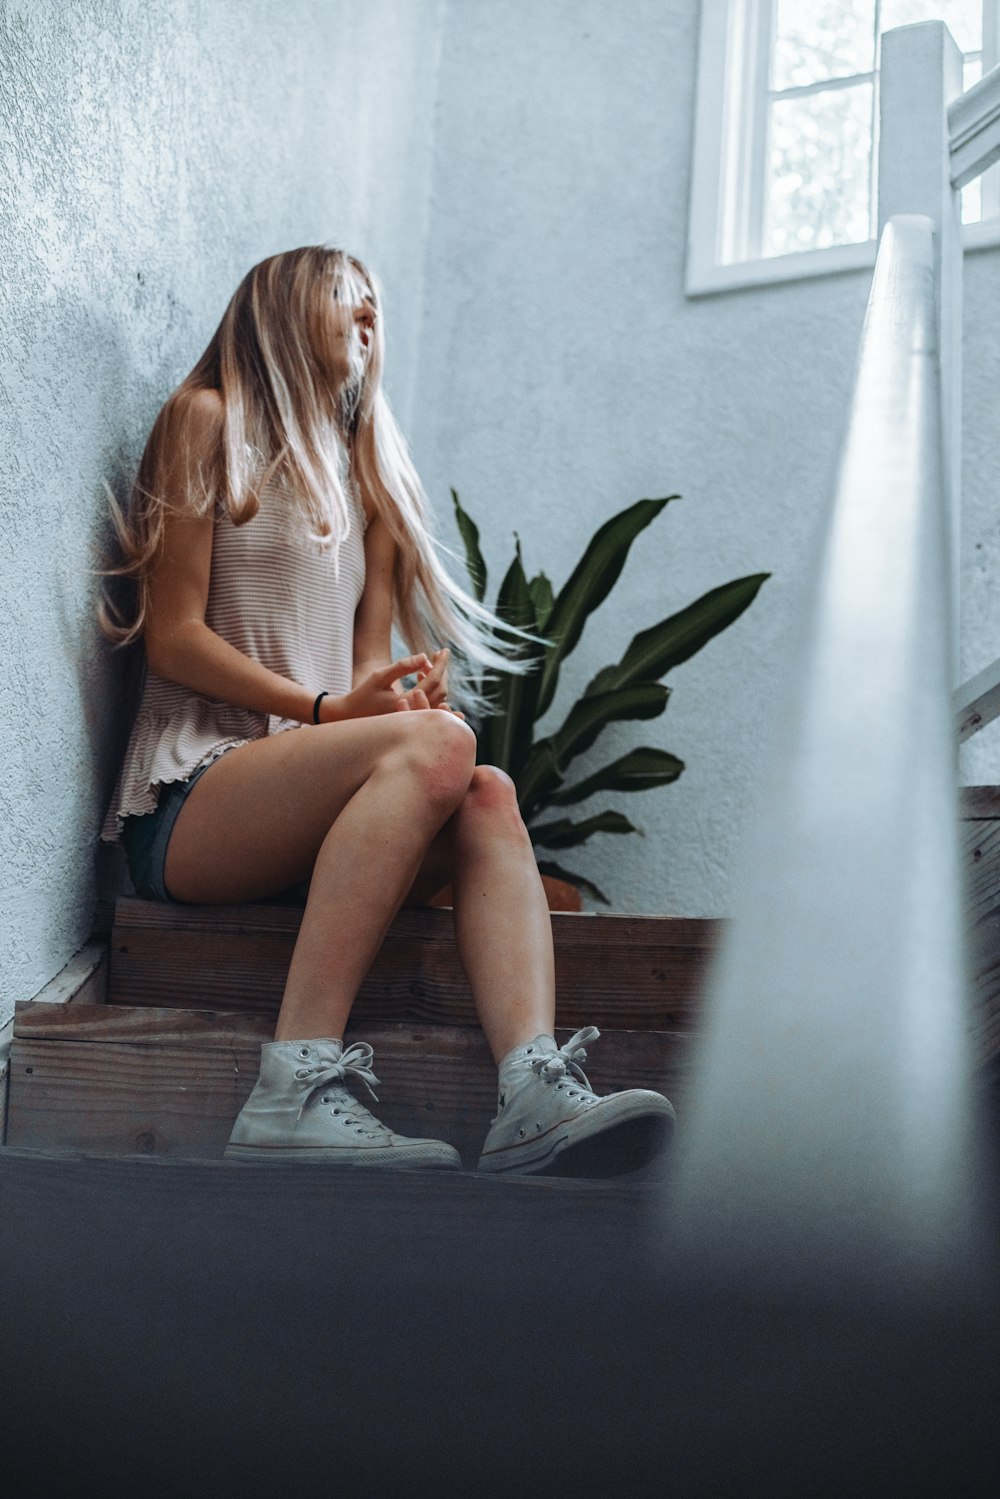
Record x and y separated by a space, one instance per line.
149 154
519 175
564 374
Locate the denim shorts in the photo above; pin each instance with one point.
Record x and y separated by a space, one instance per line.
145 838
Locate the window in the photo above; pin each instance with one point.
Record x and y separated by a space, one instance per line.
786 145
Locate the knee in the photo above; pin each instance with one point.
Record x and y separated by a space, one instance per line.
493 795
441 751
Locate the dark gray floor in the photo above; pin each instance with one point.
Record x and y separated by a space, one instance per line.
187 1329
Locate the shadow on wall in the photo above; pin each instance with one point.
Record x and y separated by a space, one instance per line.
108 679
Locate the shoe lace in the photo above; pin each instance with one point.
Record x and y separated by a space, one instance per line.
568 1058
356 1061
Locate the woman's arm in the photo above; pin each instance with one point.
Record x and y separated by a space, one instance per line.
373 625
180 646
373 616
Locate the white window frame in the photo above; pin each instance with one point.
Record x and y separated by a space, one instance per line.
730 139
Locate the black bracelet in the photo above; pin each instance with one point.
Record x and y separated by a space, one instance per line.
316 706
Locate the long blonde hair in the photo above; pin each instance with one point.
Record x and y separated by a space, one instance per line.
283 416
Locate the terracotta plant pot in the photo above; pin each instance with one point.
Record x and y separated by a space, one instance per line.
560 894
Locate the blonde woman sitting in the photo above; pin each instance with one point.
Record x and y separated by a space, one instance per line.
277 533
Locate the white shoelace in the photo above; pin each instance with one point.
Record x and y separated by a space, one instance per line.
356 1061
569 1058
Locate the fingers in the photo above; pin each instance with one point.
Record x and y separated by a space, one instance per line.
437 671
417 698
404 668
435 681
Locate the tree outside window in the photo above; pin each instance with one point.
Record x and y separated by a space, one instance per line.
786 134
819 185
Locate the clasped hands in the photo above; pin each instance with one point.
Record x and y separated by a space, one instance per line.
383 690
431 687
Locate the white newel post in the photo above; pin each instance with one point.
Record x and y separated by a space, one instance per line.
921 75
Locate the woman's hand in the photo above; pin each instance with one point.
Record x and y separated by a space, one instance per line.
381 691
378 693
431 690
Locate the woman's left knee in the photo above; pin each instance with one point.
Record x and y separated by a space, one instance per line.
492 790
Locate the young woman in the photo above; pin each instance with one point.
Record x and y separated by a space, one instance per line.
277 533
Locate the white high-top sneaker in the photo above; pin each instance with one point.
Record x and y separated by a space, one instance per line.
300 1110
549 1119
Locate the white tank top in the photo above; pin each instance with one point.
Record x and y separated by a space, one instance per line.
280 597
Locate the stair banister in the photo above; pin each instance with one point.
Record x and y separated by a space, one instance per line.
827 1131
974 128
977 702
830 1123
921 78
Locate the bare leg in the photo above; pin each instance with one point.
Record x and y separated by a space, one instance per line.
502 922
355 804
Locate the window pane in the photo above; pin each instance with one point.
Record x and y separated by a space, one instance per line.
964 18
972 192
820 151
817 39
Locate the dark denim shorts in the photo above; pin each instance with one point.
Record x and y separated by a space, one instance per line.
146 837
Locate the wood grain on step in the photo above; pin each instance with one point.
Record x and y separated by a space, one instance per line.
118 1079
629 972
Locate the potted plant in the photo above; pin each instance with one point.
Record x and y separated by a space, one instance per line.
630 689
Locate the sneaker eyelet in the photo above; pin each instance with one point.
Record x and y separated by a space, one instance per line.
304 1052
521 1133
529 1051
538 1126
301 1072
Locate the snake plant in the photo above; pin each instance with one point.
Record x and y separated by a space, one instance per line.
630 689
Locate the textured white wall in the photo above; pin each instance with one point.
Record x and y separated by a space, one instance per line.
150 153
518 173
563 375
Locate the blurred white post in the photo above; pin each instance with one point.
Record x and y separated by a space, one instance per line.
829 1134
921 76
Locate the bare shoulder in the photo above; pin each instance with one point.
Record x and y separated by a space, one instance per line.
197 418
190 452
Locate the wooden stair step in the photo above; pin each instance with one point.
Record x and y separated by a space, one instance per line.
124 1079
626 972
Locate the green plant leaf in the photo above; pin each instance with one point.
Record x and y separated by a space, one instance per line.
589 585
654 652
543 598
469 532
639 770
564 833
556 872
512 697
547 761
590 715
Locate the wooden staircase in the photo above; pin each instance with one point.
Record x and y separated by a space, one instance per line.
153 1043
181 1324
156 1043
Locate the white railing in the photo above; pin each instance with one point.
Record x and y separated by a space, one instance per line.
977 702
974 129
829 1128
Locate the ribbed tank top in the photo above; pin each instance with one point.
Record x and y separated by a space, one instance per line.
283 599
